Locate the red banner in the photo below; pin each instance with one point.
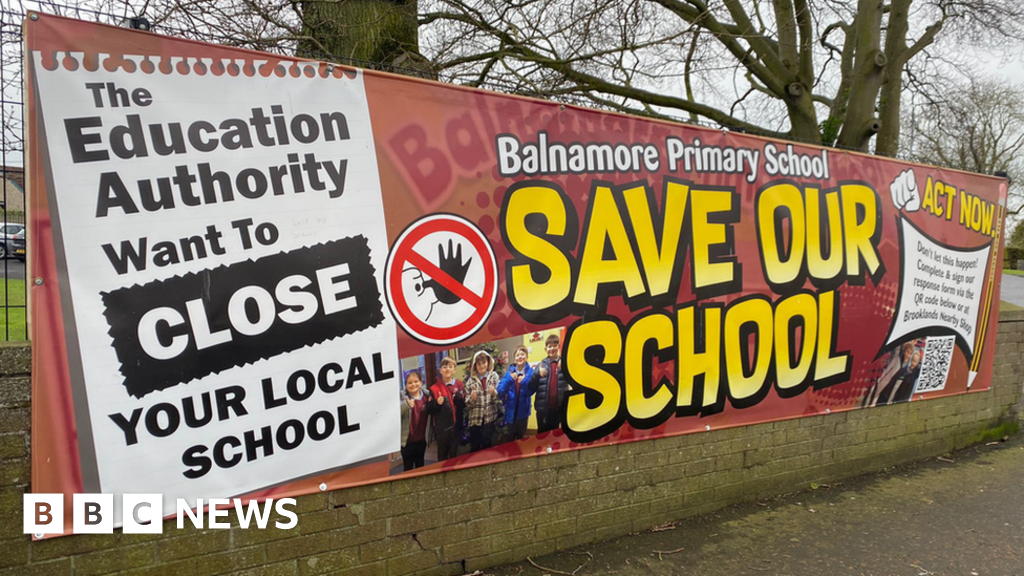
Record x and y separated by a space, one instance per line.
269 276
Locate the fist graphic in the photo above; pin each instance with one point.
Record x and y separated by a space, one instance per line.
904 192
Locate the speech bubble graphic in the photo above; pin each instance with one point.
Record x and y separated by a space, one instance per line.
940 289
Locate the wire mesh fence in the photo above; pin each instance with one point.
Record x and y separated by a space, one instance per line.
12 196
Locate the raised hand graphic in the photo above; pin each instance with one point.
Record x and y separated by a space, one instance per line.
451 263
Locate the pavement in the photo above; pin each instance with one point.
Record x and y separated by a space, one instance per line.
959 515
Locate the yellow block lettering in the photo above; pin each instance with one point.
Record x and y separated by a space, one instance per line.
602 334
759 313
657 328
528 293
606 227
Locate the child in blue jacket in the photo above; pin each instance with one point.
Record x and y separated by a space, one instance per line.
514 390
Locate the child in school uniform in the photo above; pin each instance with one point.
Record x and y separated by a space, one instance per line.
549 383
415 400
447 410
482 403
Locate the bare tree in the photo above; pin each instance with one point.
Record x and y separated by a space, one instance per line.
978 126
823 71
379 34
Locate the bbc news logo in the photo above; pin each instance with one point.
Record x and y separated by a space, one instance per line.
144 513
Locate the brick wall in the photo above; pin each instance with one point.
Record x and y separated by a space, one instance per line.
461 521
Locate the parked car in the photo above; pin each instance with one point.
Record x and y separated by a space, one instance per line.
18 245
7 232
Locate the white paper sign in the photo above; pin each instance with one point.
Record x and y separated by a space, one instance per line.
940 288
223 237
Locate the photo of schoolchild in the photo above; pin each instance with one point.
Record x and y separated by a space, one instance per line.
549 385
514 390
897 380
415 400
483 406
510 389
447 410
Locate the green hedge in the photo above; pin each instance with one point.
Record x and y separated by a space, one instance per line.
1011 255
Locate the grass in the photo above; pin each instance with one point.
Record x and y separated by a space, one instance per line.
1013 272
12 317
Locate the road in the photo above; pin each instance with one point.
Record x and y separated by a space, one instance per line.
11 268
1012 289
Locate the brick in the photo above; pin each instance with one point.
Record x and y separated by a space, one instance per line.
480 474
179 568
473 510
14 552
415 522
597 486
289 568
329 562
15 472
228 561
327 520
445 535
577 473
467 549
248 537
122 558
61 567
555 494
15 392
631 480
195 544
15 420
597 454
536 516
15 358
13 446
490 524
558 460
506 469
360 494
388 548
356 535
312 502
375 569
308 545
615 466
534 480
652 460
70 545
513 540
419 484
556 529
412 563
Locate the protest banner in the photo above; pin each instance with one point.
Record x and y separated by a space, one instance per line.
254 270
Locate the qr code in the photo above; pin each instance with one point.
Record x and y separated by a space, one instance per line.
938 352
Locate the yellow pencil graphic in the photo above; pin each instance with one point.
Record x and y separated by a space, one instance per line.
986 306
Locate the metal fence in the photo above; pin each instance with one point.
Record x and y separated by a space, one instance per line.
12 191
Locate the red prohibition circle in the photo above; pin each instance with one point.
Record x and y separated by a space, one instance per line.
402 252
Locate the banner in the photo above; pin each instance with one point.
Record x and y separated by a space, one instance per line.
264 276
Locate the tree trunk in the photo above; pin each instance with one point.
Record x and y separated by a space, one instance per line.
803 119
381 34
888 141
860 123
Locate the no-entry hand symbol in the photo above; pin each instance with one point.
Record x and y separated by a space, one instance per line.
441 279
